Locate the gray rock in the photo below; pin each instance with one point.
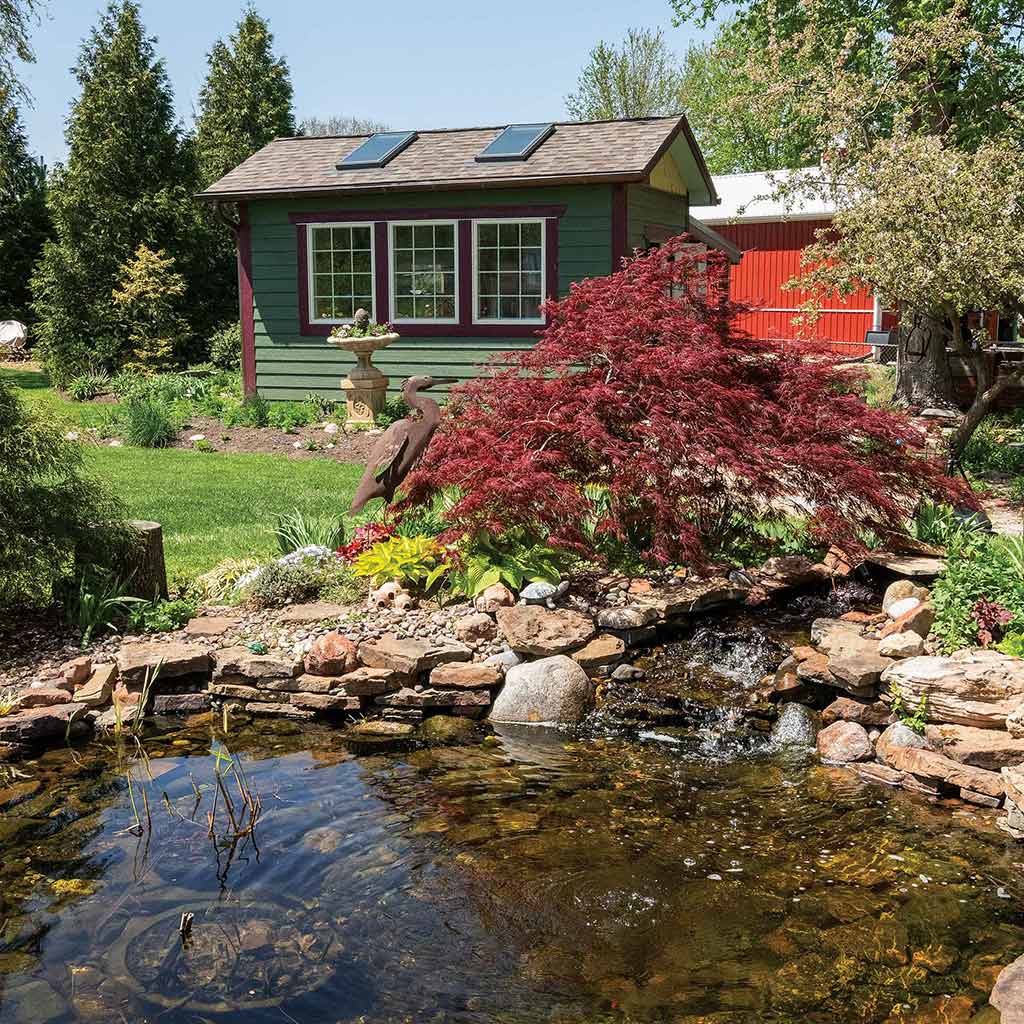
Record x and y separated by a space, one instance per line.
172 659
180 703
901 645
797 726
632 616
551 691
235 664
40 724
541 631
627 673
504 660
410 657
899 735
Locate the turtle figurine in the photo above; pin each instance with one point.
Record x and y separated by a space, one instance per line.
543 593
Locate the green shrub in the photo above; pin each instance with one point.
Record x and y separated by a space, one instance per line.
125 382
323 408
750 542
56 523
86 386
149 423
989 569
513 559
415 560
394 409
296 530
943 526
100 604
281 583
221 582
996 447
287 416
226 347
161 616
253 411
879 387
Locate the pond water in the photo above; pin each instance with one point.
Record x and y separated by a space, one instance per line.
679 870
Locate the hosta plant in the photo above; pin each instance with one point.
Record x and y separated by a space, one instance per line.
642 386
513 559
414 560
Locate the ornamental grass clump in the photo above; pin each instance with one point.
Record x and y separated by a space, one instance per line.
641 388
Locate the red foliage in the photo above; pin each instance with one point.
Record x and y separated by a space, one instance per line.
685 423
363 538
990 617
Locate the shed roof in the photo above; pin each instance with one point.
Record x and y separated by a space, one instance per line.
747 198
576 153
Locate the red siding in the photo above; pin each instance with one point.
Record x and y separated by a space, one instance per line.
771 257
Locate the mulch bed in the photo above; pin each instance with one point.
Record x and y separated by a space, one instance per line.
341 447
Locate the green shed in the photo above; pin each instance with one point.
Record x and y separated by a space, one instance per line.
453 236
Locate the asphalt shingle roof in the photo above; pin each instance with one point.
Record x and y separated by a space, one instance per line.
593 151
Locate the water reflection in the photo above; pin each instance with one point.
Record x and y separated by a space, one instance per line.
618 875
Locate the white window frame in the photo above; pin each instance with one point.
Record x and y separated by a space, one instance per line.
392 295
310 269
479 321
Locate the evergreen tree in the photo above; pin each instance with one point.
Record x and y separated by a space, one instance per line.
15 18
24 221
128 179
245 101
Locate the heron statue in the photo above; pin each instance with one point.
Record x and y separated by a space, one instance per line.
402 444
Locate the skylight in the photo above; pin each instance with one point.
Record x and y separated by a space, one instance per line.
516 142
377 150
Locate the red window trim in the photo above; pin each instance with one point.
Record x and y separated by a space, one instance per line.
380 219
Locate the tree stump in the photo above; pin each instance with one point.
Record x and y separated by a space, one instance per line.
147 573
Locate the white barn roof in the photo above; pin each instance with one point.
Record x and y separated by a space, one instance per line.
746 199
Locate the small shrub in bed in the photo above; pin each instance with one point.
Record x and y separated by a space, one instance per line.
149 423
226 347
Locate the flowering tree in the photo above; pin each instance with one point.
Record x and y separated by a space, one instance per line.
642 414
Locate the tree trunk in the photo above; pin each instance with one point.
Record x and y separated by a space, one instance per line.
147 573
923 376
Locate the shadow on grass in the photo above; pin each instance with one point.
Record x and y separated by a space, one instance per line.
30 380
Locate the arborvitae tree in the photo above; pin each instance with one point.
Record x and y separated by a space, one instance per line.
15 18
245 101
24 221
639 79
127 180
340 124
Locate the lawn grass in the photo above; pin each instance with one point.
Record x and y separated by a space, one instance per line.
217 506
49 405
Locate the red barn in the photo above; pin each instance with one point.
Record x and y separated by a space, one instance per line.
771 235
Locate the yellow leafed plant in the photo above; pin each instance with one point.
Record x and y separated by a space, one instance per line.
418 560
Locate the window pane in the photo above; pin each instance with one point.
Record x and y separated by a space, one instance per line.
531 284
488 234
322 239
343 308
488 284
342 284
423 259
444 235
508 259
531 234
361 262
403 308
423 236
361 284
403 237
531 306
447 284
403 284
446 308
508 284
488 307
403 261
322 285
343 262
445 259
341 238
324 309
508 234
424 309
488 259
509 309
360 238
322 262
531 259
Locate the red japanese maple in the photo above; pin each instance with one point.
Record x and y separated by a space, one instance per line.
683 423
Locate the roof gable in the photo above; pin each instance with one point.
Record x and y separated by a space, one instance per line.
576 152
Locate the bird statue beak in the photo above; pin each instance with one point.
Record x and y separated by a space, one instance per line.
434 381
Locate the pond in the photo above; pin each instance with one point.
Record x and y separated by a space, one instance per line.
641 870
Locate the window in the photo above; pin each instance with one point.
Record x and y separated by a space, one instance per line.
340 271
508 271
424 268
516 142
377 150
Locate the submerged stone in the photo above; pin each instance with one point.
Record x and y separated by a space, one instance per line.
797 726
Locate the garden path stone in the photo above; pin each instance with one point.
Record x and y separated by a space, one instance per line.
319 611
551 691
212 625
410 657
533 629
175 659
976 686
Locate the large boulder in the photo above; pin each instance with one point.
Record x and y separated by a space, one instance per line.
844 742
161 661
410 657
899 590
976 687
983 748
40 724
551 691
1008 993
239 665
797 726
533 629
331 655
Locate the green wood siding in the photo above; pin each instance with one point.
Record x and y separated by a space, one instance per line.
645 205
288 365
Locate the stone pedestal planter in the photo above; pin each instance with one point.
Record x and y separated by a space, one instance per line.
365 388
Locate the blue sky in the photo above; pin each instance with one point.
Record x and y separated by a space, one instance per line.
405 62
